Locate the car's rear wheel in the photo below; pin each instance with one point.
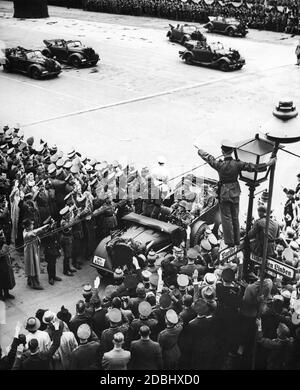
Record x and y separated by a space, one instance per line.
230 32
75 61
35 74
224 67
188 59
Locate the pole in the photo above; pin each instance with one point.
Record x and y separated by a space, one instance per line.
265 247
248 227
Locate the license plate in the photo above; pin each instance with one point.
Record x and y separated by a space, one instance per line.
99 261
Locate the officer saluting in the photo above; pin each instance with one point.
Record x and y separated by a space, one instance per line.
229 188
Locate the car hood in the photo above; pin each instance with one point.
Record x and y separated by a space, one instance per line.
80 49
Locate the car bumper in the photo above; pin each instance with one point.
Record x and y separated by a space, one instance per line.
237 64
46 74
90 61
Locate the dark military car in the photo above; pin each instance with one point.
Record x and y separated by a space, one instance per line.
183 33
213 56
229 26
30 62
70 52
141 234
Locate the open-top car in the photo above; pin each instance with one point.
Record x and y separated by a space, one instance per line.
213 55
184 32
30 62
229 26
70 52
142 234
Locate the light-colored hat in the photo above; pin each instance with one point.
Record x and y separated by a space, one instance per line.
88 167
68 164
48 316
146 274
210 278
145 309
182 280
64 211
84 331
51 168
172 316
115 315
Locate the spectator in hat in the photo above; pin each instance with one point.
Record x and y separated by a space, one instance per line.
188 313
87 355
280 348
290 210
168 341
145 319
229 188
117 358
227 313
145 353
80 318
32 253
159 313
200 338
140 297
189 269
64 315
35 359
32 325
98 320
115 326
52 253
257 233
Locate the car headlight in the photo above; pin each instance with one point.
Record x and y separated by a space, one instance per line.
44 71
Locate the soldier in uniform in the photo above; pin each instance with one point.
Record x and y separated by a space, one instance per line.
52 252
229 188
67 240
258 233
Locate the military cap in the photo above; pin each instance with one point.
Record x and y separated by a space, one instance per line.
210 278
87 288
286 294
64 211
60 162
145 309
152 256
54 158
115 163
182 280
84 332
294 245
205 244
165 301
88 167
75 169
15 141
71 153
200 307
10 151
172 316
146 274
118 273
68 164
115 315
227 275
192 254
227 145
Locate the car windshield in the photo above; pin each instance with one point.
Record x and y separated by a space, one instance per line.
34 55
216 46
189 29
74 44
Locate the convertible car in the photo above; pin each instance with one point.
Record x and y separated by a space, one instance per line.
141 233
213 56
228 26
30 62
183 33
71 52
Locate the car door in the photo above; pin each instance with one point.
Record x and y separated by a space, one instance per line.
219 25
20 62
202 55
59 50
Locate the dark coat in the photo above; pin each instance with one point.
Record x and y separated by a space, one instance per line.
7 279
280 352
78 320
168 341
86 356
145 355
99 322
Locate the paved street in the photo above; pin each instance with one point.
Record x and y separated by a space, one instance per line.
140 101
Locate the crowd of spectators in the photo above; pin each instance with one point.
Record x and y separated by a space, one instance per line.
280 18
187 308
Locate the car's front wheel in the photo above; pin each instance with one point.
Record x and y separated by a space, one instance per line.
35 74
188 59
75 61
230 32
224 67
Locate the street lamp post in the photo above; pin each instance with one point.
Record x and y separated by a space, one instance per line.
255 150
282 129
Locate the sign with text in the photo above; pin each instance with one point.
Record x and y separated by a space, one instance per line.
276 266
97 260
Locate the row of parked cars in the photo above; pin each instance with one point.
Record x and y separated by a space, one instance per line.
213 55
45 63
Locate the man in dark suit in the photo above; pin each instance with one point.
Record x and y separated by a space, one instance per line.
145 353
98 320
79 319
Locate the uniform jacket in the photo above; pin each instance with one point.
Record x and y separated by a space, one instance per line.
258 232
229 170
145 355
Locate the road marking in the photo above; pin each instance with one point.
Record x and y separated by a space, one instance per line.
42 88
148 97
